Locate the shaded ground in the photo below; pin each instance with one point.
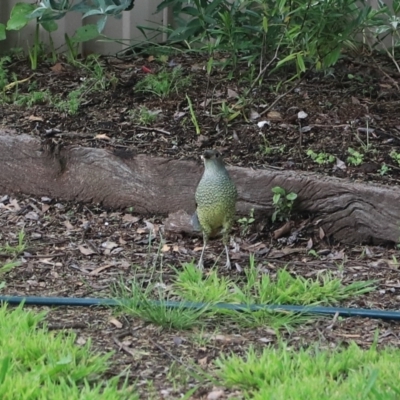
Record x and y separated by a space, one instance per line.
355 105
81 251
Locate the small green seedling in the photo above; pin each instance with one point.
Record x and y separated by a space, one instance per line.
246 222
384 169
395 156
283 203
321 158
355 158
143 115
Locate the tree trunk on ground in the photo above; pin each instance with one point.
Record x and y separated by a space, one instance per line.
350 212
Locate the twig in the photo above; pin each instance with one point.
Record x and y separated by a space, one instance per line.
153 129
279 98
262 72
387 75
44 255
172 356
124 347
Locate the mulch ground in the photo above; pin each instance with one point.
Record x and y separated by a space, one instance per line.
82 251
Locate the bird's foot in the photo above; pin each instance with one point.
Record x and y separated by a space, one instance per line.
228 264
200 265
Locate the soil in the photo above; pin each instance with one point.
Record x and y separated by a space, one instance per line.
78 250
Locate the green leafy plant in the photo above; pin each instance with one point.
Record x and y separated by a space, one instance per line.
384 169
32 98
164 82
283 203
395 156
321 158
388 26
3 71
255 31
246 222
71 104
355 157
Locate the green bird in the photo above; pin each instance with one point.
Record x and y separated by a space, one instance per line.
216 202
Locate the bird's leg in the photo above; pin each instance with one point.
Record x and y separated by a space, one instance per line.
228 261
200 264
225 239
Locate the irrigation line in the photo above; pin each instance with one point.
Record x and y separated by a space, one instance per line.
86 302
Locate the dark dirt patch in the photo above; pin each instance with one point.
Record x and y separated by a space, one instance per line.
353 106
76 250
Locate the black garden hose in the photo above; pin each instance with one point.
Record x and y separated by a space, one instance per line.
82 302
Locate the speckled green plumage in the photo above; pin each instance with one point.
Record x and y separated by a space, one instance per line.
215 197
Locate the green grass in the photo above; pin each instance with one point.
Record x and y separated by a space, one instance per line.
261 289
14 250
37 364
313 374
139 302
190 284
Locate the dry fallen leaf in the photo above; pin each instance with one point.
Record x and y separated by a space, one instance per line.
68 225
165 248
57 67
35 118
130 218
102 136
86 250
232 94
215 394
116 323
274 115
102 268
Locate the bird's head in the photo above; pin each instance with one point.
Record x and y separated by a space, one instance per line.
211 155
212 159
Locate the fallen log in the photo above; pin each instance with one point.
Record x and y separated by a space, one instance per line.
348 211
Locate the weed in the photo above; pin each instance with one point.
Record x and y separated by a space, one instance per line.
71 104
321 158
164 82
283 203
15 250
143 115
384 169
152 305
33 98
246 222
395 156
3 71
258 288
228 113
355 158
